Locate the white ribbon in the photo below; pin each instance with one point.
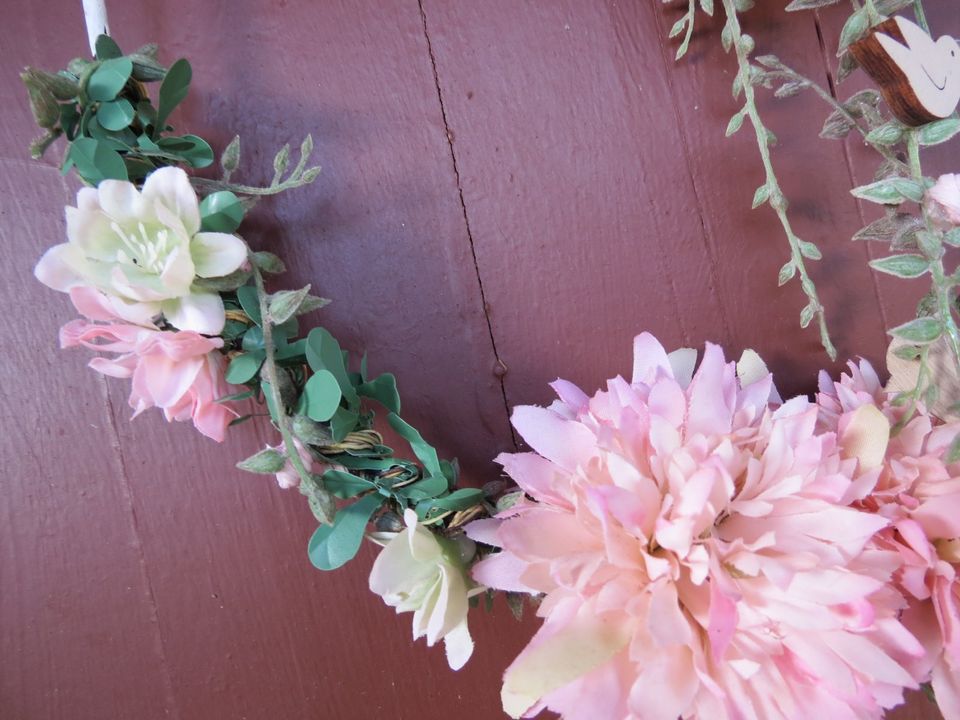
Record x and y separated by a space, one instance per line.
95 14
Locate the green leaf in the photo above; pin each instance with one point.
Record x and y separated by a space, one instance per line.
952 237
286 304
268 262
810 251
236 397
938 132
225 283
191 149
343 422
707 6
221 212
250 302
106 49
806 315
324 353
173 90
889 133
384 390
95 161
678 27
108 80
907 352
334 545
425 452
458 499
115 115
736 122
267 462
902 266
786 273
921 331
311 303
761 196
889 191
854 29
323 395
244 368
345 485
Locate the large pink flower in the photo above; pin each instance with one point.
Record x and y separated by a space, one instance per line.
697 559
919 493
180 372
942 201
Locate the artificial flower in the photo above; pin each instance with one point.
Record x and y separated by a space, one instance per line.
288 477
918 493
942 201
143 250
180 372
418 572
697 557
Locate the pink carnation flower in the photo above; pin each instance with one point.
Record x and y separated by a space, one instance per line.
920 496
180 372
696 557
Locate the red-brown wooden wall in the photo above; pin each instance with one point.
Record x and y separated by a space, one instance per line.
511 190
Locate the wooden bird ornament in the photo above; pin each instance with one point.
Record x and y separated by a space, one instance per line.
918 77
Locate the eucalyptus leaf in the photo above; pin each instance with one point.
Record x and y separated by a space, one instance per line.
343 422
105 48
323 395
345 485
243 368
334 545
324 353
173 90
221 212
458 499
383 389
108 80
95 161
115 115
250 302
425 452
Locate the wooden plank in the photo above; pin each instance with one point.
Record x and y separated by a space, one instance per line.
248 628
584 218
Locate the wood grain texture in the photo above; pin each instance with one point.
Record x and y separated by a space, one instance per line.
550 150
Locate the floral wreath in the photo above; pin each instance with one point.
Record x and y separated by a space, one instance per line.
697 546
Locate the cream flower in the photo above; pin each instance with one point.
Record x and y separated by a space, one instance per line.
943 201
415 572
143 250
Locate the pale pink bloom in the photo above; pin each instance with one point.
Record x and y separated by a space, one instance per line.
690 539
143 250
421 573
288 477
180 372
920 495
943 200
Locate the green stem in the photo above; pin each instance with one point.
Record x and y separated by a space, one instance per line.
941 285
921 16
792 74
777 198
209 185
307 480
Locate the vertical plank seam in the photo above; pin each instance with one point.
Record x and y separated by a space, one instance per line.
141 558
466 221
848 161
707 234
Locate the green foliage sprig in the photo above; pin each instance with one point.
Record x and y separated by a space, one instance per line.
314 396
